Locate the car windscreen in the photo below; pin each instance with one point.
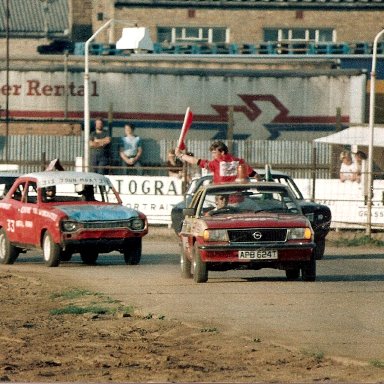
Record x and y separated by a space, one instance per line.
78 192
250 199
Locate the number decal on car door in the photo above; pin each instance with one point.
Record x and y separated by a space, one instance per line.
11 225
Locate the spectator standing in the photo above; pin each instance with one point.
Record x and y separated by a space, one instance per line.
361 165
348 171
223 166
99 143
130 150
174 165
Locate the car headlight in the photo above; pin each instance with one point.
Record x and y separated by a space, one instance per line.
137 224
299 233
215 235
70 226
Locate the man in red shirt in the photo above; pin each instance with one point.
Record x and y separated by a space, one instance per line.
224 166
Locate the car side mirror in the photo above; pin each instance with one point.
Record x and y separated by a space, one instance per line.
189 212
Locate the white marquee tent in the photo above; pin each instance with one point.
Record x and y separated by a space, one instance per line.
359 135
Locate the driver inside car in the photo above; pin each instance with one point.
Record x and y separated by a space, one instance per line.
221 202
49 193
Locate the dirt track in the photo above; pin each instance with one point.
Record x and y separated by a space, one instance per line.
153 344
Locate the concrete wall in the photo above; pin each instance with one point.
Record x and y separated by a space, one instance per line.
268 105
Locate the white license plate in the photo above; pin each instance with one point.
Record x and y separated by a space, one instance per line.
259 254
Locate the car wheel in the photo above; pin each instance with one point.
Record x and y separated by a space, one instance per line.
292 274
200 271
51 251
185 265
308 271
132 251
89 258
319 249
65 256
8 253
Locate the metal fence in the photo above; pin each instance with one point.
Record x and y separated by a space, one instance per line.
301 159
315 168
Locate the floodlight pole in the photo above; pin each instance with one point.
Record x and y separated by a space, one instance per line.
371 132
87 123
7 22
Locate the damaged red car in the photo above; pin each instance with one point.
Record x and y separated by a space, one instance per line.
246 226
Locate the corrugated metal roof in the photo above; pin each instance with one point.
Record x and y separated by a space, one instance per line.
33 17
323 4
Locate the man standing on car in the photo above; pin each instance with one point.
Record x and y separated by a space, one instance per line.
224 166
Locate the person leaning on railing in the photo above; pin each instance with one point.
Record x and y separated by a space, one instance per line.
348 170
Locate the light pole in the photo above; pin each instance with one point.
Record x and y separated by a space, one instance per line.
87 122
7 17
371 132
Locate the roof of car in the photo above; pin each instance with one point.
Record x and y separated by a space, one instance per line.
260 171
241 185
45 179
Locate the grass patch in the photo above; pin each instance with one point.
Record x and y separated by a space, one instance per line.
377 363
71 294
359 241
77 301
77 310
317 356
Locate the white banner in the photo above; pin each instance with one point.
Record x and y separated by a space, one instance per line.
153 195
347 201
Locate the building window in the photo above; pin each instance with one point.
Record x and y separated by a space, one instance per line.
300 34
192 35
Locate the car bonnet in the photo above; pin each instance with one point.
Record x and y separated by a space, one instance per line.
98 212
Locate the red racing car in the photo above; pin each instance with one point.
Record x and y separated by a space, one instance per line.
63 213
246 226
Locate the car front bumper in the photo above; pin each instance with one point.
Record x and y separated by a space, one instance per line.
287 252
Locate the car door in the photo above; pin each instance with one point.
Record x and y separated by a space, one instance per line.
14 206
188 231
27 217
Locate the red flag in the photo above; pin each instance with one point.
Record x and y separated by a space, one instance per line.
187 123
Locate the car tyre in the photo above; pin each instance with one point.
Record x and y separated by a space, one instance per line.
320 249
132 251
89 258
8 252
51 251
292 274
308 271
200 270
185 265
